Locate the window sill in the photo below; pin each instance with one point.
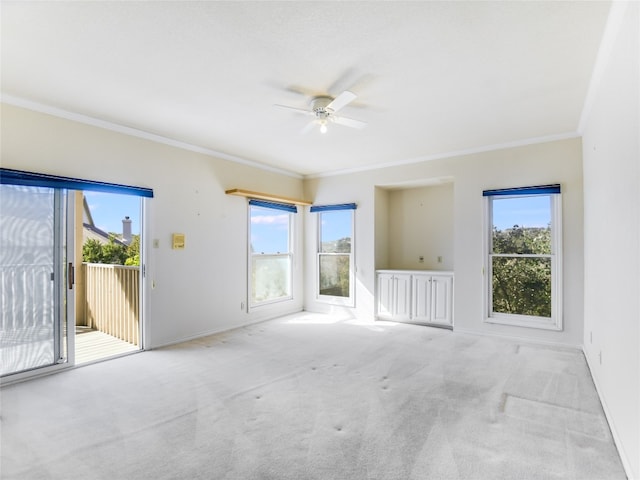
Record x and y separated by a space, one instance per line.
540 323
338 301
266 303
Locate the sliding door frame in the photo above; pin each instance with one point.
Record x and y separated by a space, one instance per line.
64 259
64 310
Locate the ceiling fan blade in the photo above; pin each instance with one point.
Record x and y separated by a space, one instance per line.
343 82
307 92
308 127
297 110
349 122
342 100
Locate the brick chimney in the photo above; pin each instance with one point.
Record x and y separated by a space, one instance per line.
126 230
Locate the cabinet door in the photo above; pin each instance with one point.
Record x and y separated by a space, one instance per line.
441 300
385 295
402 310
421 286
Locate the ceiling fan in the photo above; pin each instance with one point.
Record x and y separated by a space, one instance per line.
324 109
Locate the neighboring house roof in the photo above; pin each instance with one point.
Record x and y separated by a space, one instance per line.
90 231
87 212
93 232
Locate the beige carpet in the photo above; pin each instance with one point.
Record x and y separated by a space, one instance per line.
306 397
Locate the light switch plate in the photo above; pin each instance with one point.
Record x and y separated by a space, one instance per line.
178 241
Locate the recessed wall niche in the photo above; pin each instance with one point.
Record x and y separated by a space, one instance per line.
414 226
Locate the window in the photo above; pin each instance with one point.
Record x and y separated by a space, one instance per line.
271 255
335 253
524 257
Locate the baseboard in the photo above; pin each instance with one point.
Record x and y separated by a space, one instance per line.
516 338
614 434
216 331
616 438
417 324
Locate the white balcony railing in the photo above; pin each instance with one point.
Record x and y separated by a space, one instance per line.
111 300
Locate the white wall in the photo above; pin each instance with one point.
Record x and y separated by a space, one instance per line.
421 224
198 290
381 232
611 144
540 164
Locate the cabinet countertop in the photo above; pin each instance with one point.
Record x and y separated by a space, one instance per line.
423 272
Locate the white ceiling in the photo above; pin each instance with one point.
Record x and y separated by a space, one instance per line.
432 78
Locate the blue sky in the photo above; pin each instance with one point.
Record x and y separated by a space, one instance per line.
108 210
269 228
532 211
338 227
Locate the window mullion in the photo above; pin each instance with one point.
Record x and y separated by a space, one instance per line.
523 255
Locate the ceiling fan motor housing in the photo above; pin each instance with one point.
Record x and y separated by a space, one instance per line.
319 106
324 109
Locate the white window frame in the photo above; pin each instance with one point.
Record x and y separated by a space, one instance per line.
349 301
251 305
555 322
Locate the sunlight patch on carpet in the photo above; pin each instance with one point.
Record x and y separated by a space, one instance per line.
556 417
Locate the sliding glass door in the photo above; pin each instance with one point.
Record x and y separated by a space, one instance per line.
42 220
33 278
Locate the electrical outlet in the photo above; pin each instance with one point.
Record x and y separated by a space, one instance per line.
241 305
591 337
600 357
439 259
421 259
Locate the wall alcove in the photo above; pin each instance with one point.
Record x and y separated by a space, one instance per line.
414 227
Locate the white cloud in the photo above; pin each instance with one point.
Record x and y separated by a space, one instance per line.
270 220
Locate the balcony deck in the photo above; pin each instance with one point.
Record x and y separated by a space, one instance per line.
92 345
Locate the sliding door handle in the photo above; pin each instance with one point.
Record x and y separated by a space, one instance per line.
71 275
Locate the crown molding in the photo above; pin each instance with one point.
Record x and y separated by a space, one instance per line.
134 132
458 153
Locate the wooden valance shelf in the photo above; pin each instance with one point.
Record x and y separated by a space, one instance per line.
265 196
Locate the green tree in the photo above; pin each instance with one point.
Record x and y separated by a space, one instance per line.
334 269
522 285
133 251
113 253
92 251
522 240
343 245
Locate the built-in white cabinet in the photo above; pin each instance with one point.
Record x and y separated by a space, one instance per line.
416 296
432 297
394 296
